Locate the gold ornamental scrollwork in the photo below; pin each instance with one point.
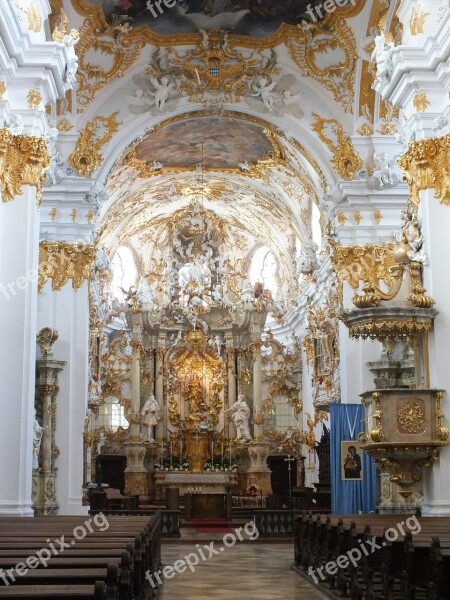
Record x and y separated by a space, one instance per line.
372 265
86 157
426 165
346 160
377 433
61 261
23 160
442 432
411 417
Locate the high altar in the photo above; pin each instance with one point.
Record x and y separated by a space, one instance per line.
192 335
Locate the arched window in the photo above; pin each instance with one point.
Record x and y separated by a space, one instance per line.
264 268
111 415
124 271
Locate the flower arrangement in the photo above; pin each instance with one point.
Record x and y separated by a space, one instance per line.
219 463
172 463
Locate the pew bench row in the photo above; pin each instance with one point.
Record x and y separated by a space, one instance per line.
376 557
48 557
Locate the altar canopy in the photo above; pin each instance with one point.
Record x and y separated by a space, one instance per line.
350 496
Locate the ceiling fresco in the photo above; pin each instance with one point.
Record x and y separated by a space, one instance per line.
226 144
256 18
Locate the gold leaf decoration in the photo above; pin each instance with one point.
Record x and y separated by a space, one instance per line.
86 157
417 20
308 46
23 160
34 17
121 48
61 261
346 160
427 166
421 102
34 99
370 265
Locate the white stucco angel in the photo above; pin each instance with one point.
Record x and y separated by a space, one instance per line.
386 169
217 342
16 126
146 294
307 259
382 56
37 439
150 416
263 87
139 102
162 90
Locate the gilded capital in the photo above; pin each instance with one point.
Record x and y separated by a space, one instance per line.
23 160
60 261
426 166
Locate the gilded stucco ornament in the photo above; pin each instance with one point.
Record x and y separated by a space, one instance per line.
123 43
421 102
61 261
23 160
427 166
373 265
46 338
417 20
307 47
346 161
86 157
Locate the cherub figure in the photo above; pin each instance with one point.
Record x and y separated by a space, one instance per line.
263 87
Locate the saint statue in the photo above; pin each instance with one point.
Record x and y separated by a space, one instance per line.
37 438
150 416
241 415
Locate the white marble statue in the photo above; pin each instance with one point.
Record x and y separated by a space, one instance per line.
241 415
382 56
307 258
218 343
37 439
150 416
412 236
146 294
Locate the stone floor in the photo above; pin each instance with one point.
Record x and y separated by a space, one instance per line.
251 571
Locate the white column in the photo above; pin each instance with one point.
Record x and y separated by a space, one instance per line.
159 390
67 311
257 390
19 251
231 388
435 226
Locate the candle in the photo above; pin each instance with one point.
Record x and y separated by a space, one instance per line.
198 76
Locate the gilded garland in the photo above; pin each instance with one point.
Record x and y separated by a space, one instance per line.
61 261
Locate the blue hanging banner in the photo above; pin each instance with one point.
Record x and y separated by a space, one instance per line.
353 473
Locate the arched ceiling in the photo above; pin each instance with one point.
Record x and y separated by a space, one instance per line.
256 161
253 179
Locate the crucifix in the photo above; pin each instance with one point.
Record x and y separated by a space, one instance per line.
289 460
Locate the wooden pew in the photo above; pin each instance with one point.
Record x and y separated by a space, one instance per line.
77 568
